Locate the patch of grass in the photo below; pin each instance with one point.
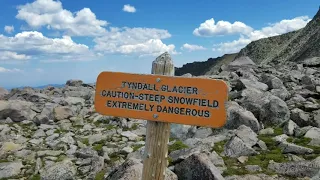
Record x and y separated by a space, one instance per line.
136 147
170 161
177 146
61 158
36 177
278 131
302 141
110 127
172 139
100 175
219 146
114 157
98 147
134 126
4 160
85 141
60 131
234 167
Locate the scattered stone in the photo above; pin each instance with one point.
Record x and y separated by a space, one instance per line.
253 168
62 112
267 131
197 166
10 169
73 82
235 147
60 170
289 128
243 159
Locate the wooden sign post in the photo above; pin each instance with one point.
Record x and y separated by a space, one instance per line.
161 99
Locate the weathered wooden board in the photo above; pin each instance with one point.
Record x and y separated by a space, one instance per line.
182 100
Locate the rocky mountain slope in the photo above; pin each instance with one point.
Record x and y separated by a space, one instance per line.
272 132
295 46
291 47
200 68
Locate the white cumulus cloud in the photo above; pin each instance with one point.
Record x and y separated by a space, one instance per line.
129 8
50 13
210 28
4 70
9 55
284 26
34 45
140 41
9 29
192 47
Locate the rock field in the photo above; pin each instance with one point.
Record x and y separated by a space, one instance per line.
272 132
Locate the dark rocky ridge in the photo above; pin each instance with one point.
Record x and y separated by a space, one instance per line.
294 46
200 68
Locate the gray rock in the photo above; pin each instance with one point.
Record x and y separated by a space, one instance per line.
267 131
96 138
203 132
272 81
62 112
3 93
296 169
86 153
283 93
39 133
255 177
314 61
242 61
316 118
269 109
60 170
253 168
130 135
182 154
49 153
10 169
17 110
132 169
73 82
247 135
238 116
235 147
313 133
74 101
179 131
126 150
289 128
295 149
197 166
246 83
300 117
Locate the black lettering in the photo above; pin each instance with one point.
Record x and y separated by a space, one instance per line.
109 103
195 90
174 89
176 110
203 102
171 110
188 111
124 105
180 89
194 112
164 88
115 104
182 100
189 90
103 93
129 105
170 99
162 98
195 101
189 100
141 107
182 111
151 107
159 108
206 114
123 84
200 113
136 106
141 97
215 103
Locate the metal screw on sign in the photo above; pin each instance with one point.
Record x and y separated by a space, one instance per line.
155 116
158 80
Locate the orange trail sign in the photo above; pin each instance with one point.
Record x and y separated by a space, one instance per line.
181 100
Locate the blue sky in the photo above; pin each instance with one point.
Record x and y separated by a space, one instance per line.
49 41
